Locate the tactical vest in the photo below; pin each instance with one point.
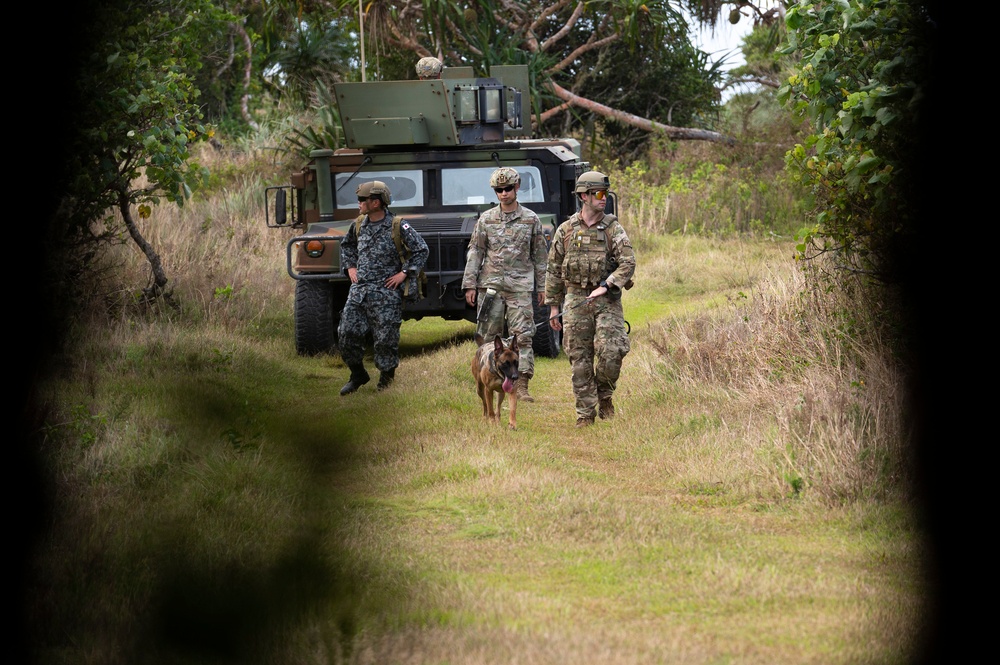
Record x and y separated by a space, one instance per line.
588 257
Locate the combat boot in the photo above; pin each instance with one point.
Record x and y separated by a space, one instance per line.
385 379
606 409
585 422
359 377
522 389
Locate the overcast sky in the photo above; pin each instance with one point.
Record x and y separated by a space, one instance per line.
726 37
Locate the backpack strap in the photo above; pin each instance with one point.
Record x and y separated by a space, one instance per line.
404 256
397 238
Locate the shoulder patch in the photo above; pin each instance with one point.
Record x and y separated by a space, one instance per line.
406 225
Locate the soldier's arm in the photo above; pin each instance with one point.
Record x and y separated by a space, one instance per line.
349 250
555 288
621 249
538 254
418 249
474 258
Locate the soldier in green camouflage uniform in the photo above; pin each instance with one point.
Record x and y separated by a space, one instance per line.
375 302
590 261
507 255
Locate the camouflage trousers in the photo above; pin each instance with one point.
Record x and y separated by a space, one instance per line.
376 309
517 310
595 340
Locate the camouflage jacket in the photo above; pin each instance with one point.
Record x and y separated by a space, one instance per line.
583 256
506 251
373 252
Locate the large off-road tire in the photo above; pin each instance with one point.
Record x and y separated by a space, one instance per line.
546 341
315 318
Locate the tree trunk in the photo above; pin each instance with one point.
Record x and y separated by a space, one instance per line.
676 133
247 70
158 287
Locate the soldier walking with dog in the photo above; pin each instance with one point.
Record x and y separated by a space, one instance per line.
380 255
505 264
590 261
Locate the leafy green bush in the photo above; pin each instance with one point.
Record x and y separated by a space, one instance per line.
858 82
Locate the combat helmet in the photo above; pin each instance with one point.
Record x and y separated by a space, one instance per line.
429 68
591 180
504 176
375 188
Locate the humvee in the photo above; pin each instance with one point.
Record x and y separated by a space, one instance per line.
435 144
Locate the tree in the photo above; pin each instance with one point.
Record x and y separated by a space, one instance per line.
859 82
137 123
561 42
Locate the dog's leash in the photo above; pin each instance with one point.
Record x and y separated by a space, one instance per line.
628 326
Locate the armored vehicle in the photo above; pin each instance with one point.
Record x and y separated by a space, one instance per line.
435 144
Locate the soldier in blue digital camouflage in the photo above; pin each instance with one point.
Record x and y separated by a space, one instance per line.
505 264
590 261
377 271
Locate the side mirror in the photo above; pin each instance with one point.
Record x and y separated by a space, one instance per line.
280 207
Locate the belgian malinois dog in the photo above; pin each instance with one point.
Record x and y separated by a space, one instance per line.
495 369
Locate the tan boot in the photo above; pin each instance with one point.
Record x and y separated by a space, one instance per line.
584 422
522 389
606 409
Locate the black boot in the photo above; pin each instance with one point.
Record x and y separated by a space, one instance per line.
359 377
385 378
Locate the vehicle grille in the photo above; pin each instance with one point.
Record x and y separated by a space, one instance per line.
447 251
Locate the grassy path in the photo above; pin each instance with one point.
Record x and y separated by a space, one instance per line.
651 538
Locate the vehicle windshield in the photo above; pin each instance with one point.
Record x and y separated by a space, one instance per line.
407 187
472 186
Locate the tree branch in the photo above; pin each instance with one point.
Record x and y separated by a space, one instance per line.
676 133
563 31
589 46
247 70
771 83
545 116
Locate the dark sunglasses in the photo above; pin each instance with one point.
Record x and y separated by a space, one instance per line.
362 199
503 189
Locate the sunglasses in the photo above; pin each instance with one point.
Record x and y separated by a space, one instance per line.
362 199
503 189
599 194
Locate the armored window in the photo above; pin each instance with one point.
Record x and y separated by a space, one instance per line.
471 186
407 187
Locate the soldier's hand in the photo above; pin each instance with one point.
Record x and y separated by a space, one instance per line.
554 322
541 298
598 292
353 274
394 281
470 297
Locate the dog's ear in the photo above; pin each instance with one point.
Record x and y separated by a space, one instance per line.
498 345
513 343
479 340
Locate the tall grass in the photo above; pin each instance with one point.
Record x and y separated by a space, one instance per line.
781 350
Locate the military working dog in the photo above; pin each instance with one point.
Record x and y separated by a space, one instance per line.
495 368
